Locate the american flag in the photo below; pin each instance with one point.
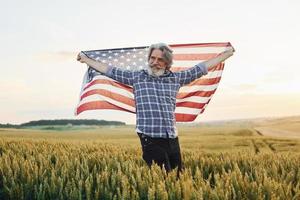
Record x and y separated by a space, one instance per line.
101 92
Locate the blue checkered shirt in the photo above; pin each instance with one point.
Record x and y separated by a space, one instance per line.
155 97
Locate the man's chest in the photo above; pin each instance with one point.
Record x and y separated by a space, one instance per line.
161 87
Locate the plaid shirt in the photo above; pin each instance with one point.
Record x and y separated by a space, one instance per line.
155 97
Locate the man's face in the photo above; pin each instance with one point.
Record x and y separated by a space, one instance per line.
156 61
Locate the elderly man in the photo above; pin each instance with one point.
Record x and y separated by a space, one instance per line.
155 91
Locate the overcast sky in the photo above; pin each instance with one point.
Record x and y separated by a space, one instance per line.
41 79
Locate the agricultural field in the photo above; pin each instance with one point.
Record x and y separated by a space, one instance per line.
227 161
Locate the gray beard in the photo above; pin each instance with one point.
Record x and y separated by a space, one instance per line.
155 72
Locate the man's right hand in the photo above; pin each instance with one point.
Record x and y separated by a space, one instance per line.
99 66
81 57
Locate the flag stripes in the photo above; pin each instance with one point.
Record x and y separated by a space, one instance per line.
101 92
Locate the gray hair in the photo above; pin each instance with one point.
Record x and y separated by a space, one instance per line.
167 53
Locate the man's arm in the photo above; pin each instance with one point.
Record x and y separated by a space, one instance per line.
123 76
220 58
189 75
101 67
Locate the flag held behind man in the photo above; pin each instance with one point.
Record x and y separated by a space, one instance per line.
101 92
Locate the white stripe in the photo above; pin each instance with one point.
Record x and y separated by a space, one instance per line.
214 74
194 99
194 88
185 110
186 63
198 50
97 97
110 88
101 77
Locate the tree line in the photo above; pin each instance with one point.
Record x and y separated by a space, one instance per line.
56 122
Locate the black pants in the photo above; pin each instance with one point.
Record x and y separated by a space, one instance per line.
165 152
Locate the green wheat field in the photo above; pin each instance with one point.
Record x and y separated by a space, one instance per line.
221 161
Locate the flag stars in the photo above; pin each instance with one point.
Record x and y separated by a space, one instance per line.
132 59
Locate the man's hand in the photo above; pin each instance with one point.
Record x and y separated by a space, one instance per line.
229 51
99 66
81 57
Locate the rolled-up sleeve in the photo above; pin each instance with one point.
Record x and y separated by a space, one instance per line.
191 74
122 76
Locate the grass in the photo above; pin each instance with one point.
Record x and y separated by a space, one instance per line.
221 162
206 138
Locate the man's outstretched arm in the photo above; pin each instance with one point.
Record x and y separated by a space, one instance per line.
189 75
123 76
220 58
101 67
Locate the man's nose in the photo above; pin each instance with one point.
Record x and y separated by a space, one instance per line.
155 61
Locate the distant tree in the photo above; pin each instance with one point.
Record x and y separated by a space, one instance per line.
9 126
72 122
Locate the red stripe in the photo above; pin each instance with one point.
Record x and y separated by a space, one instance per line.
190 105
111 95
95 105
184 117
196 94
207 81
109 82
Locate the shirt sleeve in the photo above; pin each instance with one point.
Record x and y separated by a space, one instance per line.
191 74
122 76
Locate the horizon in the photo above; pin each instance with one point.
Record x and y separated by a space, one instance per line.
178 123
